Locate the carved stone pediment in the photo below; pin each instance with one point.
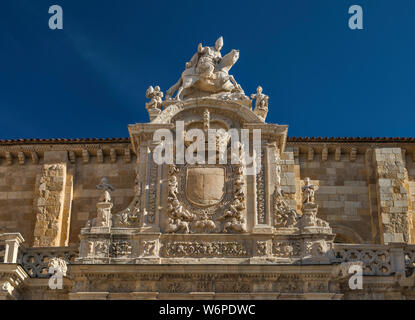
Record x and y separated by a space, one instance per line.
213 196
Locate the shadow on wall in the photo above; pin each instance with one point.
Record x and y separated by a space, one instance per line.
346 235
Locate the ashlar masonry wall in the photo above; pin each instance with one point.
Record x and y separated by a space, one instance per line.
343 194
366 190
17 192
49 192
410 165
120 174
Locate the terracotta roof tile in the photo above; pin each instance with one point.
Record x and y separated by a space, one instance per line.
350 139
123 140
63 141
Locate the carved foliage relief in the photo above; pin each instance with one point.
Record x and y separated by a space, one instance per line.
204 249
260 191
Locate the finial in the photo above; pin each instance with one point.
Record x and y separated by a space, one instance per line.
106 187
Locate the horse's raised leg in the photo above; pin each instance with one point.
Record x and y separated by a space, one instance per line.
179 92
188 81
173 89
232 79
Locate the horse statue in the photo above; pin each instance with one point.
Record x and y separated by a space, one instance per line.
220 81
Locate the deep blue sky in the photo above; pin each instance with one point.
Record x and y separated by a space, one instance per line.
323 79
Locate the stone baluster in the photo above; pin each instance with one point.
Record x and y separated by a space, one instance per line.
397 257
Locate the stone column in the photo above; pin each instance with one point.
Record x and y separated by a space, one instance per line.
261 186
392 195
12 242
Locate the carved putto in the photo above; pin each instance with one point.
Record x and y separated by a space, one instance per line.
149 248
286 249
284 216
156 96
178 217
120 248
233 218
154 105
205 224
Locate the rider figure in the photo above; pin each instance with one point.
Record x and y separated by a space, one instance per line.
206 58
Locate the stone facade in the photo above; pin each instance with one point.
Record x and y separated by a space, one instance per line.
117 225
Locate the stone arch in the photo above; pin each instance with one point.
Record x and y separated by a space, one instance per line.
240 111
346 235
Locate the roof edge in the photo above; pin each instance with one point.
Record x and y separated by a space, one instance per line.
127 140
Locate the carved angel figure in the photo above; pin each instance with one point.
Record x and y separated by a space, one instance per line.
234 209
177 225
173 187
233 217
235 225
149 248
284 216
156 96
205 223
178 217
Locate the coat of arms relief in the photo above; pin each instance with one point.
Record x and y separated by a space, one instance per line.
213 199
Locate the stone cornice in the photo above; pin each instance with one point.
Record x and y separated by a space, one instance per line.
24 151
64 141
122 141
198 269
13 274
352 139
34 148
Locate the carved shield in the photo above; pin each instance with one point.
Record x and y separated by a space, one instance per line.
205 186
